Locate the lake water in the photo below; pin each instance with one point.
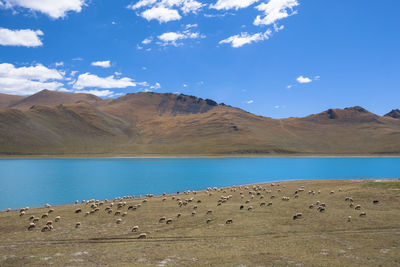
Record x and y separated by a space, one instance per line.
34 182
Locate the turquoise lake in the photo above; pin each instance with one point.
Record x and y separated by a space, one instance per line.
34 182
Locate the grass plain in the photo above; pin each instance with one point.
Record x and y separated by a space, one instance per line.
264 236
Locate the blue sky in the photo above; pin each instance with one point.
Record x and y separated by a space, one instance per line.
276 58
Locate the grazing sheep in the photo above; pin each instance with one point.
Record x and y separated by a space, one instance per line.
209 211
124 214
87 213
299 215
78 210
295 217
45 215
57 219
164 199
199 201
296 196
332 192
208 220
77 225
241 207
269 204
46 228
22 213
250 208
35 220
311 206
110 211
118 221
262 204
31 226
363 214
247 201
349 219
47 205
229 221
193 213
179 215
49 222
135 229
351 205
31 218
347 199
321 209
162 219
117 213
358 207
194 207
375 201
168 221
272 196
142 236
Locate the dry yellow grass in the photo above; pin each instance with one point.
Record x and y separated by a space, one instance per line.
264 236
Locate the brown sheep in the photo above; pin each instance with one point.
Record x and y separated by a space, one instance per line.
363 214
135 229
22 213
208 220
57 219
117 213
78 210
124 214
50 211
168 221
35 219
49 222
229 221
46 228
209 211
358 207
262 204
77 225
118 221
162 219
193 213
250 208
311 206
179 215
241 207
45 215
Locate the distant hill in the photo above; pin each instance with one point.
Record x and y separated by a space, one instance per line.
49 98
8 100
53 123
395 113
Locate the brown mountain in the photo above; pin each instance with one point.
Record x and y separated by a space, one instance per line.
171 124
49 98
395 113
8 100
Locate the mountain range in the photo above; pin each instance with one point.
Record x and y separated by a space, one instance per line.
138 124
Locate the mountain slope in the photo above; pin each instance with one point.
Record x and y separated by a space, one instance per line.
8 100
171 124
51 98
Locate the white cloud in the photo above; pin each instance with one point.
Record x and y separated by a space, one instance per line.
289 86
275 10
302 79
28 80
53 8
250 102
100 93
147 41
90 80
232 4
103 64
28 38
171 38
317 77
118 73
161 14
243 38
189 26
156 86
166 10
59 64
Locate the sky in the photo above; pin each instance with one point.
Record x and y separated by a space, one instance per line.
275 58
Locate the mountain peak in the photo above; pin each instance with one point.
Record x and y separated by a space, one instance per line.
349 114
395 113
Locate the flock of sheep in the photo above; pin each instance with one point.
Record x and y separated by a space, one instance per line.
129 203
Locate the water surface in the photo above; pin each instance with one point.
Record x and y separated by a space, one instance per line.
34 182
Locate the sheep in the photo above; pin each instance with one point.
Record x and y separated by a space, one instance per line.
209 211
375 201
358 207
164 199
351 205
208 220
229 221
363 214
124 214
262 204
247 201
162 219
269 204
299 215
110 211
118 221
34 220
31 218
321 209
296 196
77 225
78 210
22 213
31 226
49 223
178 215
199 201
295 217
87 213
117 213
349 219
46 228
168 221
57 219
47 205
332 192
311 206
133 207
194 207
45 215
135 229
241 207
193 213
250 208
272 196
142 236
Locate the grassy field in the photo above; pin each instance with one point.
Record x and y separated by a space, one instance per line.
264 236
